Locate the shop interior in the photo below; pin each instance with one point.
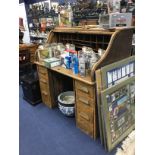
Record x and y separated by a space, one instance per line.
77 77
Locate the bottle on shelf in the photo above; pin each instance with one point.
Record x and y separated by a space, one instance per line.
75 64
82 66
116 6
70 14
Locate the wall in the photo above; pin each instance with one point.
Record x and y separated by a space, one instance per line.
22 14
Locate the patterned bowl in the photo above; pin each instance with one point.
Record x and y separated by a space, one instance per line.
66 102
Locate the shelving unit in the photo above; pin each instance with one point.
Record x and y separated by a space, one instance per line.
79 40
35 17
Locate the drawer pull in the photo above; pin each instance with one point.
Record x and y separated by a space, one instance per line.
41 80
84 89
44 73
44 93
84 101
84 116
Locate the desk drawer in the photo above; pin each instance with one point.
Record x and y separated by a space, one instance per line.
85 125
46 98
86 101
85 112
43 71
43 79
45 93
44 87
86 90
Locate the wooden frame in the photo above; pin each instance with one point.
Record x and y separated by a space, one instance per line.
101 85
105 115
112 66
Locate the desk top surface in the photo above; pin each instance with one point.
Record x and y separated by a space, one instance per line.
69 73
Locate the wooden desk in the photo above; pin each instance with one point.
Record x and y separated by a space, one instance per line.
58 79
31 48
69 73
117 46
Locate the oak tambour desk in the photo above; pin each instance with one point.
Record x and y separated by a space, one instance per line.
53 81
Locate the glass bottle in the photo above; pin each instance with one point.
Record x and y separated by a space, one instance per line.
93 60
70 15
116 6
75 64
82 66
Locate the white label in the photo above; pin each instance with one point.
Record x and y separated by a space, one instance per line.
110 108
123 72
109 77
127 69
119 73
131 67
115 75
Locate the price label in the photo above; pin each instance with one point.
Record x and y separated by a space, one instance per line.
109 77
127 69
114 75
119 73
123 71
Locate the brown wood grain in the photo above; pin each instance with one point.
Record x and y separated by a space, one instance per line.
119 48
31 48
45 87
69 73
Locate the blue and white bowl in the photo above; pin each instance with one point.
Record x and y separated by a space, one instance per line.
66 103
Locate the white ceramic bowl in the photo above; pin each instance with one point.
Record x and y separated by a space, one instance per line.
66 102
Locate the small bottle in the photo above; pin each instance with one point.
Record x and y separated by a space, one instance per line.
82 66
100 52
93 60
75 65
68 62
116 6
70 14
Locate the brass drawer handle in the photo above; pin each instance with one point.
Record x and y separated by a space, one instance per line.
84 116
41 80
44 93
84 89
84 101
